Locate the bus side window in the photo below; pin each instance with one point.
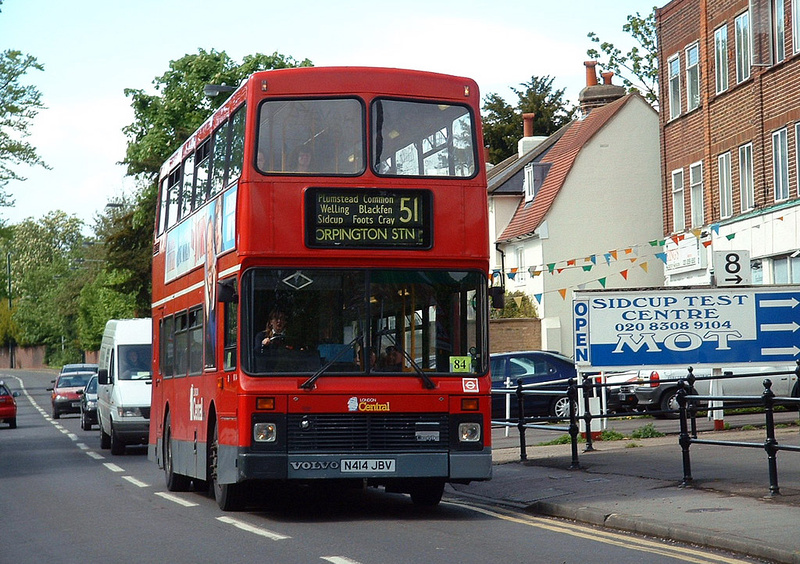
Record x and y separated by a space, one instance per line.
231 329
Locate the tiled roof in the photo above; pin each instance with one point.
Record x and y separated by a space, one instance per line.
529 215
503 171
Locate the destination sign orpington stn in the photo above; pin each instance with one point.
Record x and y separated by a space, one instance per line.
687 327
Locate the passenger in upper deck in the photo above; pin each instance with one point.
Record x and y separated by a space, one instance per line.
303 159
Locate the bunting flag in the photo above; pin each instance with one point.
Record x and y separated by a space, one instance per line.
593 258
629 250
563 292
496 273
697 232
624 274
571 262
715 228
588 267
662 256
607 256
602 281
538 298
559 270
707 243
780 218
551 266
512 274
731 236
633 260
644 266
613 254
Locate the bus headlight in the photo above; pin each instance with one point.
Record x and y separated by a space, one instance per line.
265 432
469 432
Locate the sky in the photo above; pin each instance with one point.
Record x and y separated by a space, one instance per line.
92 50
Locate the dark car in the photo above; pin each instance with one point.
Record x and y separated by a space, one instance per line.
8 405
532 367
70 368
89 404
64 397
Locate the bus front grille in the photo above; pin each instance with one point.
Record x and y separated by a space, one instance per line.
351 432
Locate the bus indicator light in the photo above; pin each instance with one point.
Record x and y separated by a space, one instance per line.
470 404
265 403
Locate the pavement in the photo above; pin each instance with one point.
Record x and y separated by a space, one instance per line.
637 486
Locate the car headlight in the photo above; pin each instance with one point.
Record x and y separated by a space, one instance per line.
265 432
91 404
469 432
129 412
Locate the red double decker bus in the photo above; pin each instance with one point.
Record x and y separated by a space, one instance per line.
320 299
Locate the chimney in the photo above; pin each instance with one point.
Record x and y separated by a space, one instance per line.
529 140
527 120
596 95
591 76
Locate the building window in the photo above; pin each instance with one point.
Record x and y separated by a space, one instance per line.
742 32
746 177
692 77
674 66
796 26
780 165
725 191
520 277
529 184
678 204
721 58
786 270
797 154
696 193
779 30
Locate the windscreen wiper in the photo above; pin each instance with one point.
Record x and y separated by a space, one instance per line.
309 384
425 379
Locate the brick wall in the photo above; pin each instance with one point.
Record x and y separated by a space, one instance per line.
521 334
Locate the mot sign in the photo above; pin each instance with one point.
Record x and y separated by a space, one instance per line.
687 327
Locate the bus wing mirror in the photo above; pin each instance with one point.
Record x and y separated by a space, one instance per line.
498 297
102 376
226 292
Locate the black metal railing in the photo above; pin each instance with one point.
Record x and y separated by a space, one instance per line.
687 409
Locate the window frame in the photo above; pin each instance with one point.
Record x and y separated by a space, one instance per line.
780 164
692 76
721 58
778 31
746 186
696 194
795 16
743 47
674 86
678 208
725 185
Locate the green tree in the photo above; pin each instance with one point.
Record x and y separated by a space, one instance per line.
162 122
638 68
47 279
165 120
503 123
19 104
518 304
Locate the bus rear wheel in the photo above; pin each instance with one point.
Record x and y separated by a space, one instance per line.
175 482
229 497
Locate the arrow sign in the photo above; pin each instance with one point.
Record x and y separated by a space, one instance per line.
780 326
791 302
781 351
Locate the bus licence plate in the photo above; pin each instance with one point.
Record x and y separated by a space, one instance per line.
368 465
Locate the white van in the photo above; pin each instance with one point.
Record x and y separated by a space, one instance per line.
124 383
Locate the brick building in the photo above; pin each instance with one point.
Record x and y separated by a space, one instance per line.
729 75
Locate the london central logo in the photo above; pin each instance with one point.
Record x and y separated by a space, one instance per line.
366 404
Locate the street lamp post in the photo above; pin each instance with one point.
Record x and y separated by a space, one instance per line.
10 337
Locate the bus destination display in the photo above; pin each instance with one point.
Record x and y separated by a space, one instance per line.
368 218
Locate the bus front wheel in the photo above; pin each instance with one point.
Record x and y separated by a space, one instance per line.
427 493
175 482
229 497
